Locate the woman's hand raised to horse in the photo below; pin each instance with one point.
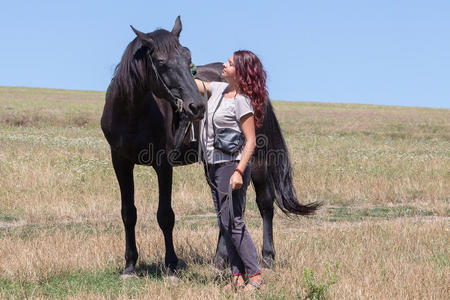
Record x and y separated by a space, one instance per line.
200 86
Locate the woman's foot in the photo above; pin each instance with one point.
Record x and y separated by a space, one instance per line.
237 283
255 283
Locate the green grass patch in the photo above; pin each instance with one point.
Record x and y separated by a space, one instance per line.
348 213
4 217
105 283
441 258
30 231
316 287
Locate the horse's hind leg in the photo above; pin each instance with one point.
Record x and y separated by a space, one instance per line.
165 214
264 199
124 174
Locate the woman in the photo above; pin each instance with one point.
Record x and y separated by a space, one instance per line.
239 104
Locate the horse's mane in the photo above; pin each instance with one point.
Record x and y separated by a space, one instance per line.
133 73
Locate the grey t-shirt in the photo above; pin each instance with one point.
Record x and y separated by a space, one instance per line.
228 115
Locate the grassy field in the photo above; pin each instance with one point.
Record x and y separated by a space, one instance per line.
383 173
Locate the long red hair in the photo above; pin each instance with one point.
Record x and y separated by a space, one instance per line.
252 81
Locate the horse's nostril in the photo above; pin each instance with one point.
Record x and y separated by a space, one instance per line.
196 108
193 109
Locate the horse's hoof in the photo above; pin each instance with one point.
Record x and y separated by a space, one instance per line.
128 276
173 269
220 263
181 265
172 279
171 276
267 262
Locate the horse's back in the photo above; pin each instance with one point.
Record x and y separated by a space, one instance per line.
210 72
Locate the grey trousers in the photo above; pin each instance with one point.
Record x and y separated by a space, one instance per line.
240 246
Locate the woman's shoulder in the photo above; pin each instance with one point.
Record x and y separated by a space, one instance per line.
243 105
217 85
242 99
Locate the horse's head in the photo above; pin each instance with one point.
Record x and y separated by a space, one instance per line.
170 63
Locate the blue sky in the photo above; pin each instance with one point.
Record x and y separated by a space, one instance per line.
375 52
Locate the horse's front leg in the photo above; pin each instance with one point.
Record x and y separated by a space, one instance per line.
166 216
124 173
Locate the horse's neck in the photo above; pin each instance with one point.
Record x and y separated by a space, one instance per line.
143 111
142 103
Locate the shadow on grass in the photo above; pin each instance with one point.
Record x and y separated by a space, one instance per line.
197 278
155 270
187 273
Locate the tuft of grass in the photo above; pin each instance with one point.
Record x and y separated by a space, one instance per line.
317 288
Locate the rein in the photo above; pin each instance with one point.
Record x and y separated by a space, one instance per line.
181 133
203 156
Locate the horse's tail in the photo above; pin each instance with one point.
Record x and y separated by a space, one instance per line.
279 166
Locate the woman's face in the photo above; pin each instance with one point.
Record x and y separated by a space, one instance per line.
229 71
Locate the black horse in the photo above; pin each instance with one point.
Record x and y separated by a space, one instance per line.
150 100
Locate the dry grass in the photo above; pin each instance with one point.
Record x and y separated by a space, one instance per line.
383 173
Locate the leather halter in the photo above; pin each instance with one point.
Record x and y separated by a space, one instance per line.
175 102
177 105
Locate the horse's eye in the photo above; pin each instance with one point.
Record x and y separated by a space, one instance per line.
159 62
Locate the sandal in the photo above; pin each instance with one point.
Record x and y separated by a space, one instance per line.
234 286
253 285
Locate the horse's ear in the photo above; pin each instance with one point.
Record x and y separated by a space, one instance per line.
177 27
143 37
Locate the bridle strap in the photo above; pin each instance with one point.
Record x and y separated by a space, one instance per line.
175 102
184 124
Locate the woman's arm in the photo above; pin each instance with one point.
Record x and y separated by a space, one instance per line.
200 86
248 128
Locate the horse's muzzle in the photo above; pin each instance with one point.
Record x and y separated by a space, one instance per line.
196 111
